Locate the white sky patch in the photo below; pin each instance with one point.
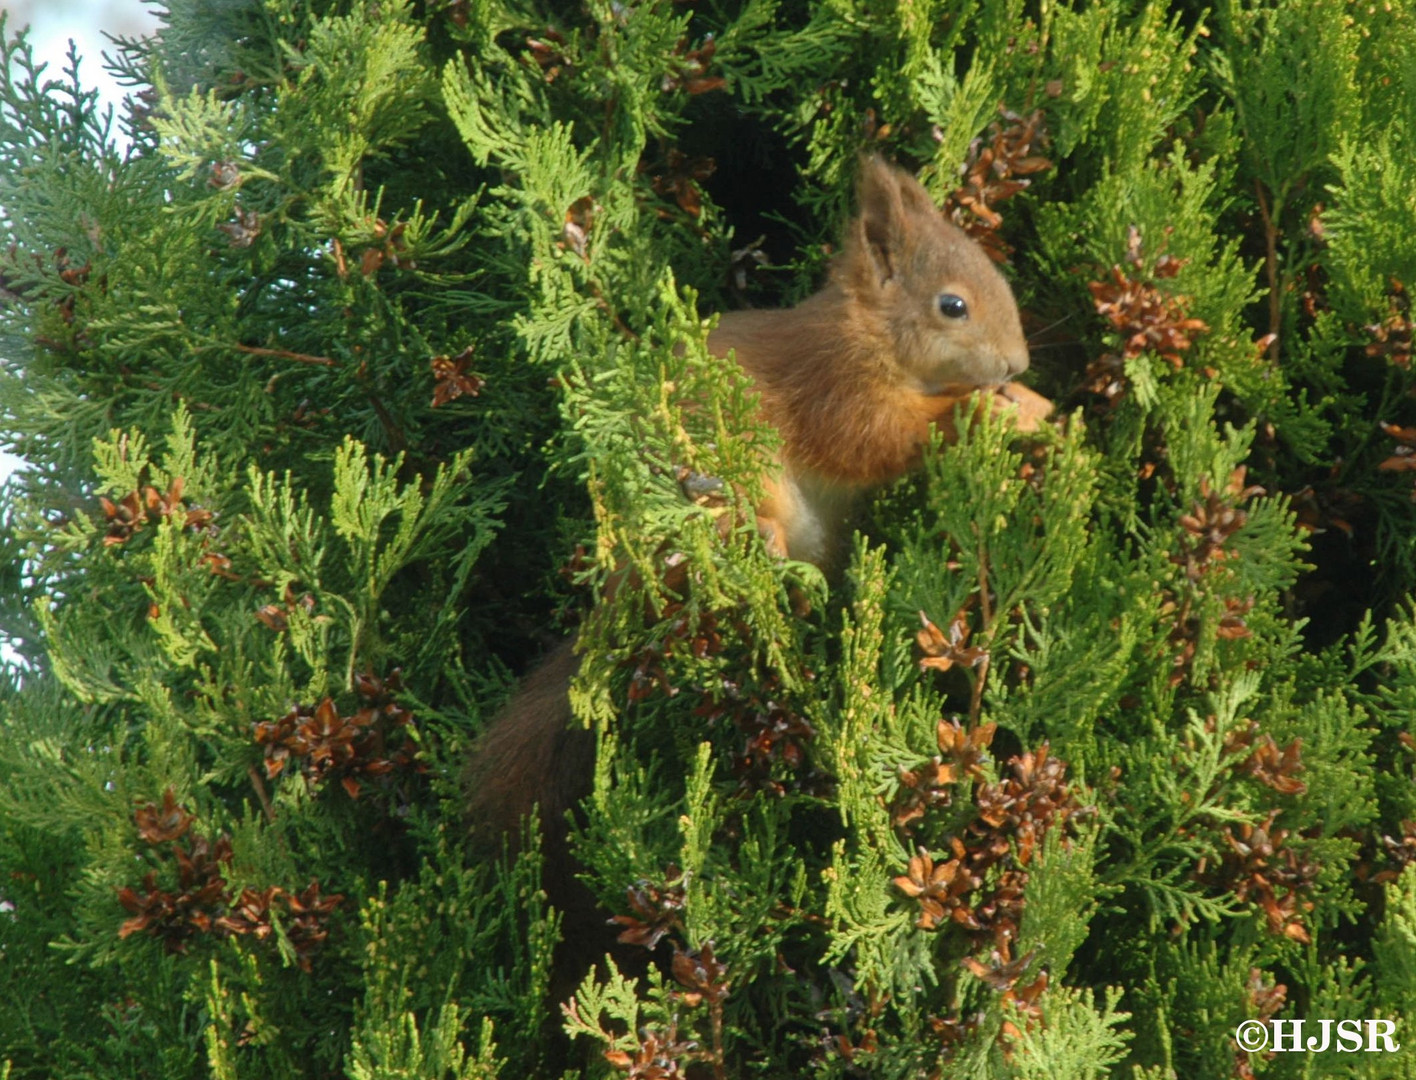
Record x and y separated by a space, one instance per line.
53 23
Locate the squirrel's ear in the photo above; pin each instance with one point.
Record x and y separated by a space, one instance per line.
888 198
913 197
881 224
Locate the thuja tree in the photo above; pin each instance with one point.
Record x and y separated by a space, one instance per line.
375 365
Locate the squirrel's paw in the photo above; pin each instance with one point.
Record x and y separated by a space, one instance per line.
1028 408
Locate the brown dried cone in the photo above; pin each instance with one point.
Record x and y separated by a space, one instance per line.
932 783
773 734
309 921
1259 866
679 181
164 824
1028 803
1403 455
452 377
1013 816
991 176
691 69
1266 999
203 904
965 748
657 1057
546 52
942 651
250 913
1392 337
1147 319
123 518
658 910
352 748
939 888
921 789
175 918
1275 768
1401 850
1210 523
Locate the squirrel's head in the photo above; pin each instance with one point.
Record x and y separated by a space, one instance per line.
948 313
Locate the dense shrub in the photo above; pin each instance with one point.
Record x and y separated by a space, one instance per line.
345 388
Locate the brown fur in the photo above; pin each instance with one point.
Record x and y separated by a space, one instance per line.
530 754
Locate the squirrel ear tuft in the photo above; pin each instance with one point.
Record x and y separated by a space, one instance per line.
881 224
888 197
913 197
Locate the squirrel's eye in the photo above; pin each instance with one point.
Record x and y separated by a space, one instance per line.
952 307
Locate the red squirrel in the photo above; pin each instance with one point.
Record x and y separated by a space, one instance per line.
913 319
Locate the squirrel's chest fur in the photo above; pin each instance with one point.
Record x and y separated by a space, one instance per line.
846 421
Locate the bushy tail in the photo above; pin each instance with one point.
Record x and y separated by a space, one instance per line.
531 755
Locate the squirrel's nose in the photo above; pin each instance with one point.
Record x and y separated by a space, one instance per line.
1017 362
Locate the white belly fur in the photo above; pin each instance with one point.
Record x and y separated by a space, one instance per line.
817 512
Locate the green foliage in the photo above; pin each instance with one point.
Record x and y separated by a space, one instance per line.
377 360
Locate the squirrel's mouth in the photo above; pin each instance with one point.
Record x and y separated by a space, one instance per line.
946 381
957 389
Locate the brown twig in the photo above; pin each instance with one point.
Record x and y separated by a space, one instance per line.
786 911
976 700
286 354
720 1072
1270 268
715 1011
397 441
609 310
259 785
985 607
986 610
